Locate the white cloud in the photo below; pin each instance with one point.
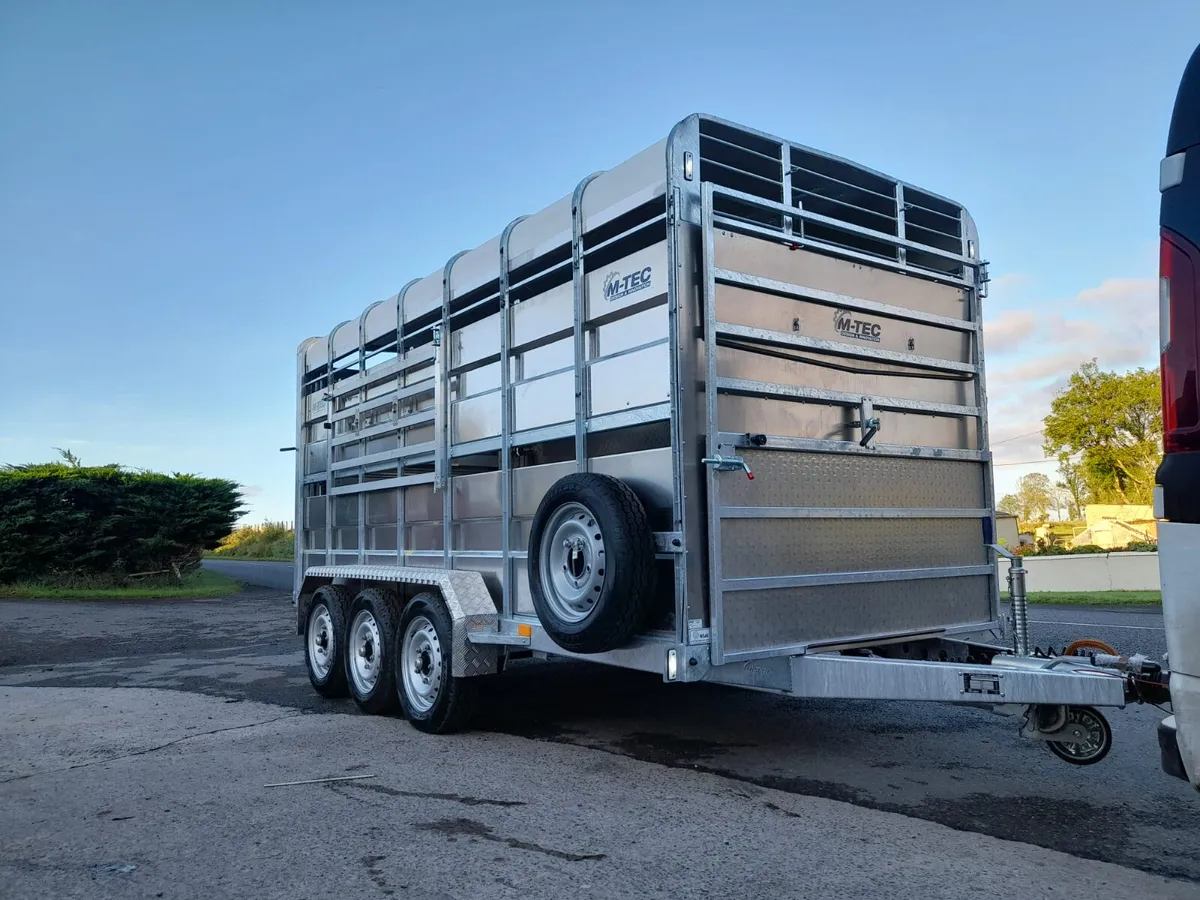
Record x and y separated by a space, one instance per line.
1033 349
1009 282
1009 330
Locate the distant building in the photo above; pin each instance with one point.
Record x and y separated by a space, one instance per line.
1110 525
1007 531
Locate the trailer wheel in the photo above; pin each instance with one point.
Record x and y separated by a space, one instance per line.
434 701
591 563
370 643
1094 733
325 640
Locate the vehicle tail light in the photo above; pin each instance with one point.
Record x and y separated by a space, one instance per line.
1179 264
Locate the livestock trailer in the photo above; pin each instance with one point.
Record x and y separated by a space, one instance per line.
718 414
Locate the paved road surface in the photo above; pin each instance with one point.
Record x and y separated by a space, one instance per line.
132 793
277 575
961 768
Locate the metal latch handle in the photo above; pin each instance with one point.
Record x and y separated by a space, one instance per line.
867 421
728 464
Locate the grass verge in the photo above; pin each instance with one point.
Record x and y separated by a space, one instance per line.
1093 598
199 584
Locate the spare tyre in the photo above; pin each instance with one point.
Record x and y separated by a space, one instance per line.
591 563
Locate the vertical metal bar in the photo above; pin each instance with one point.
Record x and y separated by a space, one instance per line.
677 400
507 574
785 161
301 500
328 435
362 449
902 258
445 356
579 285
400 322
362 523
712 443
974 303
683 217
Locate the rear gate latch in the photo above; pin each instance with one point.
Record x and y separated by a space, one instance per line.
728 464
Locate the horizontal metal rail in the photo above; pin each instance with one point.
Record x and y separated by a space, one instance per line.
638 416
415 358
827 248
543 340
466 397
397 453
863 210
842 301
661 217
831 676
470 448
880 236
775 183
891 198
839 348
394 396
747 150
861 640
772 582
417 418
840 398
564 265
849 512
542 375
606 422
824 445
659 342
382 484
482 363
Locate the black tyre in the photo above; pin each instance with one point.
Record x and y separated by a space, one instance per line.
434 701
325 640
370 642
1094 731
591 563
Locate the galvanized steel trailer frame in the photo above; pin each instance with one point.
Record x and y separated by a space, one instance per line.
451 380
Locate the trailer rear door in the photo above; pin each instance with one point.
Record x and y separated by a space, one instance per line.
852 389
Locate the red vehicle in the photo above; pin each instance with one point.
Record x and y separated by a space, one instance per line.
1177 495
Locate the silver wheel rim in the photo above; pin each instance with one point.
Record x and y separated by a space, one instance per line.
421 664
572 562
1089 733
364 649
321 641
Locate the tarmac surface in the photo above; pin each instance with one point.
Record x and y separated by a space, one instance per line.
143 733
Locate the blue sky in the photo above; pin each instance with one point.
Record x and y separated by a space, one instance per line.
187 190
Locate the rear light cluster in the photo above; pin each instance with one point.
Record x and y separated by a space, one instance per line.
1179 266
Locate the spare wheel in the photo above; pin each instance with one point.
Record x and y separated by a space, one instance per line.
591 563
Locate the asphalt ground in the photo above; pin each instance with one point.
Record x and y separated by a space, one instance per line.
961 768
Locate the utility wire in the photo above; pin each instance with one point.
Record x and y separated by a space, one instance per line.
1018 437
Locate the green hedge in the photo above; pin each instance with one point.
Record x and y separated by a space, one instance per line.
60 521
1041 548
270 540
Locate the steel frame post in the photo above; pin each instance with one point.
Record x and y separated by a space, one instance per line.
579 285
508 573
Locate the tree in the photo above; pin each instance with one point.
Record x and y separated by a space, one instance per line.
1010 504
69 458
1114 422
1072 487
1033 499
